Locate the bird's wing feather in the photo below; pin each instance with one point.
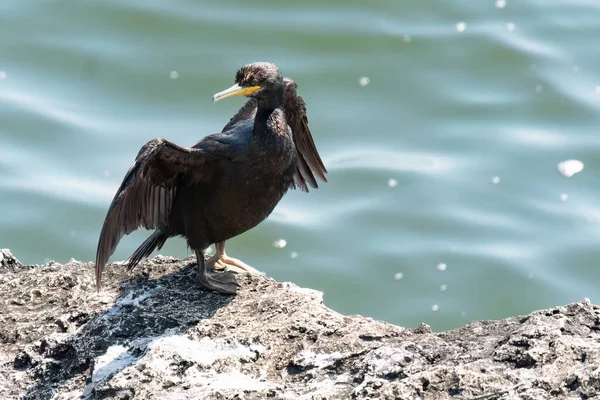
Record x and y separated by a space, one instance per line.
310 166
148 190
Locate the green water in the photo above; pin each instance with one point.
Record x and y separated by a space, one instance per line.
448 155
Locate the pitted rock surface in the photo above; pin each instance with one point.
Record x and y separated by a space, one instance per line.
156 334
8 262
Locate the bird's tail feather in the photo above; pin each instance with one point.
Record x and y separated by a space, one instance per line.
154 242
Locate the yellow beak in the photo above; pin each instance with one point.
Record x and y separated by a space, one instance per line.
235 90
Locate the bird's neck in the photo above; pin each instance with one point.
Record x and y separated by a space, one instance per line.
264 111
271 101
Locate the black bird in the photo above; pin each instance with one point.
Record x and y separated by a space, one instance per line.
224 185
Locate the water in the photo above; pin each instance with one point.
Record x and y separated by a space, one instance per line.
441 123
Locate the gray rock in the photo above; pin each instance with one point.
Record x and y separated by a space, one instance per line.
156 334
8 262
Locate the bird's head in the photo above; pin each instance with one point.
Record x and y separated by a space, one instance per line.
259 80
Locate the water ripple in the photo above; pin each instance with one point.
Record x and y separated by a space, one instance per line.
44 106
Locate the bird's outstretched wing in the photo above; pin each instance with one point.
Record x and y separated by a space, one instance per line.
148 191
310 166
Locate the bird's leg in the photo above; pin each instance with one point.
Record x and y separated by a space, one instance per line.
222 282
221 261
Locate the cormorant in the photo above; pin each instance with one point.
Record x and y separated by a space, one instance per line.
224 185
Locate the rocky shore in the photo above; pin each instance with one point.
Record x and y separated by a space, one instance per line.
155 334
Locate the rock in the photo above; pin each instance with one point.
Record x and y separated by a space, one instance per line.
156 334
8 262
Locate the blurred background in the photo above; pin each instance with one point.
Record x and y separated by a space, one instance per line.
442 124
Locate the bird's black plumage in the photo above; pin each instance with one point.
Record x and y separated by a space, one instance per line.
224 185
309 165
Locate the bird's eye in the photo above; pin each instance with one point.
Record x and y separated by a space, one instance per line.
254 82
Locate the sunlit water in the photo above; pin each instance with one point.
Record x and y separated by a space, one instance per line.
442 125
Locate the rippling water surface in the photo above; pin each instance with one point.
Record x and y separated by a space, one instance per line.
441 123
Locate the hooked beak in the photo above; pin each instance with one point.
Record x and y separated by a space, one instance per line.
235 90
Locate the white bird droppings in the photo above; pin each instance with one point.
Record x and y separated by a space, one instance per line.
116 358
363 81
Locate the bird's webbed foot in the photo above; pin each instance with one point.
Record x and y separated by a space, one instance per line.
220 261
222 282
